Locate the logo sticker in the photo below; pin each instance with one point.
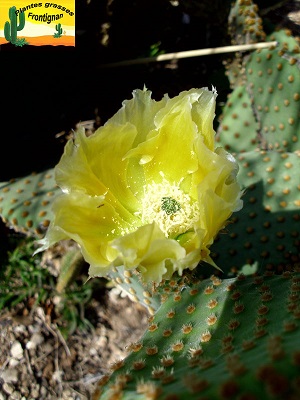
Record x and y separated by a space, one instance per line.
37 24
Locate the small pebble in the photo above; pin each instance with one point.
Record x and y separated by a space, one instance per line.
43 392
34 393
8 388
13 362
36 339
101 342
15 396
9 375
16 350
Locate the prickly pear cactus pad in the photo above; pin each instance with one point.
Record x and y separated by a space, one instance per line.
274 87
245 24
232 339
266 231
131 284
25 203
264 111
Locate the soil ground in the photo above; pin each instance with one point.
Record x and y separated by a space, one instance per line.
36 362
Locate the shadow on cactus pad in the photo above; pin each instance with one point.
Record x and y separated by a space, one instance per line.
266 231
231 339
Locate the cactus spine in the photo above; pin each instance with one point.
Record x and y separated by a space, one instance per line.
10 29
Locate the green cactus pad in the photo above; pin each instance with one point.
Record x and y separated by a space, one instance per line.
238 127
131 284
245 24
25 203
149 295
266 230
231 339
273 78
264 111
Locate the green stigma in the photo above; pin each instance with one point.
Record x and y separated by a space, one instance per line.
169 205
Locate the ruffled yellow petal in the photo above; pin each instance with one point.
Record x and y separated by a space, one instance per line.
203 113
73 171
149 250
140 111
169 149
219 196
95 165
93 223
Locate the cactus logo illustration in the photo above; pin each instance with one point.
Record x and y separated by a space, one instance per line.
59 31
41 23
11 28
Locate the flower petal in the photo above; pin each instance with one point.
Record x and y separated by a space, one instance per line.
170 147
139 111
73 171
203 113
218 200
90 165
149 250
92 222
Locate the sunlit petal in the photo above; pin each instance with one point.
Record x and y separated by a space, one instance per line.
169 148
92 223
96 166
148 249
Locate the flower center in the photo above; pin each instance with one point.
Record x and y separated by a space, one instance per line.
172 209
169 205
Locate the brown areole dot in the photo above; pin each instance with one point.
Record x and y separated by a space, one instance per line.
171 313
158 372
190 308
118 364
238 307
167 360
151 350
289 326
187 328
177 297
209 290
229 390
139 364
212 303
248 344
205 336
167 332
152 327
135 347
195 351
236 295
233 324
211 319
177 346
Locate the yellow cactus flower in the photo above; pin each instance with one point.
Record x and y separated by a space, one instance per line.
147 190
